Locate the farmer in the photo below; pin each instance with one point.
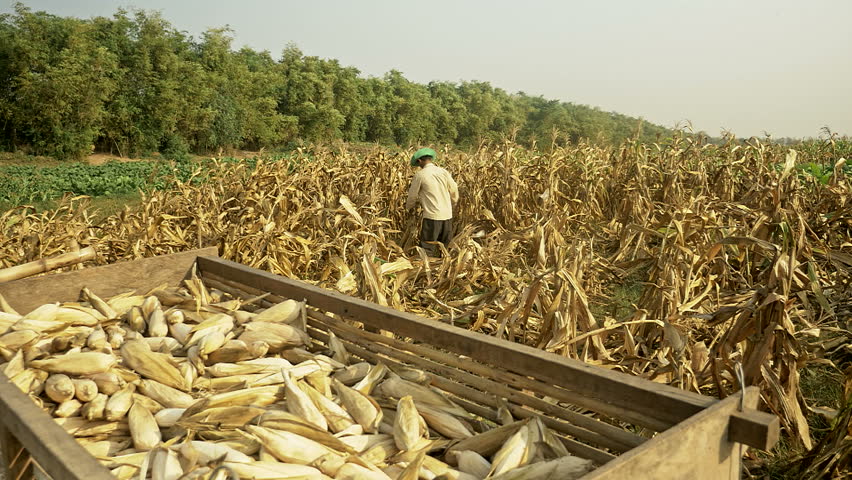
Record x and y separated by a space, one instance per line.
437 192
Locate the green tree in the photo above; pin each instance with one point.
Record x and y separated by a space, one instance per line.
58 82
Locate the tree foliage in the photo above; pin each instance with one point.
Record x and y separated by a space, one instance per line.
133 84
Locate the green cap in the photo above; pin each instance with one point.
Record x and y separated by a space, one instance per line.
423 152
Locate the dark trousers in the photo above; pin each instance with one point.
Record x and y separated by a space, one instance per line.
435 231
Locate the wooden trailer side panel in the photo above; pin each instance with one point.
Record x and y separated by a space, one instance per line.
638 401
144 274
43 439
659 405
697 448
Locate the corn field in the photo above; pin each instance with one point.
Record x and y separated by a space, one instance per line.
735 258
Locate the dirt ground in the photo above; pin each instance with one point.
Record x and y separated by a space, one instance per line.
101 158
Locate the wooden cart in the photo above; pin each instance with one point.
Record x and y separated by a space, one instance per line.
698 437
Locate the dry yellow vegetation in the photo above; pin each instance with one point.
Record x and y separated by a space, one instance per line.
739 258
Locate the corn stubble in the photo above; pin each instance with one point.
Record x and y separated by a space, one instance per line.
671 261
273 418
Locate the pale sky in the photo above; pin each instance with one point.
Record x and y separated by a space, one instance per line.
747 66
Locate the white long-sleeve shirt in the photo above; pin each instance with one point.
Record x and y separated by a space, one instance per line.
436 190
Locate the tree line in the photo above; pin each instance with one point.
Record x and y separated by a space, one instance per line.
133 84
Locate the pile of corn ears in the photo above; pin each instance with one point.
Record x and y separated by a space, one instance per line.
187 383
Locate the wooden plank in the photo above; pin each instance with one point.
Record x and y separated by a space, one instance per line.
670 405
14 459
54 450
465 396
144 274
613 437
485 371
576 424
755 429
697 448
493 379
755 426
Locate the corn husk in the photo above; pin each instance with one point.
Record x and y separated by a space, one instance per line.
172 296
17 339
123 303
567 468
547 445
513 454
119 403
68 408
380 452
43 313
284 312
394 386
444 423
289 447
474 464
352 471
207 452
166 396
15 365
85 390
77 315
211 342
223 417
143 427
100 305
275 471
361 443
97 340
320 381
242 443
162 344
361 407
230 369
135 319
300 404
413 375
337 417
149 403
242 316
155 366
258 396
231 352
413 469
278 336
95 409
270 363
280 420
150 305
408 426
166 465
217 323
375 375
105 448
108 382
80 427
338 349
78 364
193 355
115 337
353 373
168 417
59 388
7 320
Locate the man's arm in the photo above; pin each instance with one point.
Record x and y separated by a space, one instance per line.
413 193
454 189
